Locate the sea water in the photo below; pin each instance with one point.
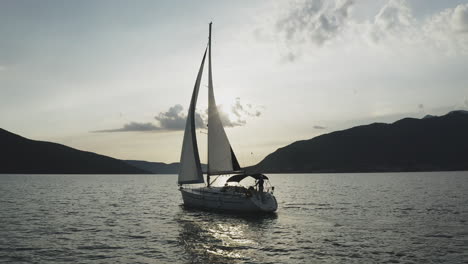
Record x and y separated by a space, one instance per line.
321 218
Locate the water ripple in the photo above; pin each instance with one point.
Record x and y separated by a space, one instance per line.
325 218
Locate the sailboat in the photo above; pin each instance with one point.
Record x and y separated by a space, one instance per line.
221 161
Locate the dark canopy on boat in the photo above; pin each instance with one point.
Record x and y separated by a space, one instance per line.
240 177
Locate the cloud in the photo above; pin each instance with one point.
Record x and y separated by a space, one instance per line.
392 19
240 110
319 127
316 21
174 119
459 19
133 126
306 25
171 120
448 30
227 121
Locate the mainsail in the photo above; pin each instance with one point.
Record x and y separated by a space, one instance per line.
190 168
221 157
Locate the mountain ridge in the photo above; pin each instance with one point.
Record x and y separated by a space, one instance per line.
432 143
409 144
26 156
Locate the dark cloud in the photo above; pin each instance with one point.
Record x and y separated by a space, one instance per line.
133 126
420 106
317 21
319 127
174 119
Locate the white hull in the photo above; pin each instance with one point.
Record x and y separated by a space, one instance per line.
218 198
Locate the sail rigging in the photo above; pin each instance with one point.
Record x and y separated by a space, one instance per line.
221 157
190 167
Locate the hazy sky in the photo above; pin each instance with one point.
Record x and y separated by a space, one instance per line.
116 77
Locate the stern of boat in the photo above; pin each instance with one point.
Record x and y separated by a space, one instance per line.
266 202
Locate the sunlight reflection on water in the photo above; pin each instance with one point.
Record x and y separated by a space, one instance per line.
213 237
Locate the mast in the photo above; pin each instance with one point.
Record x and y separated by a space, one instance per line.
221 157
210 80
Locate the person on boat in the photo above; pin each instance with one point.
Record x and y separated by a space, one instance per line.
260 184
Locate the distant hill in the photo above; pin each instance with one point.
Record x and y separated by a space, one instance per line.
22 155
429 144
158 167
155 167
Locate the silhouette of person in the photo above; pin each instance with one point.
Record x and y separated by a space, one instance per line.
260 184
